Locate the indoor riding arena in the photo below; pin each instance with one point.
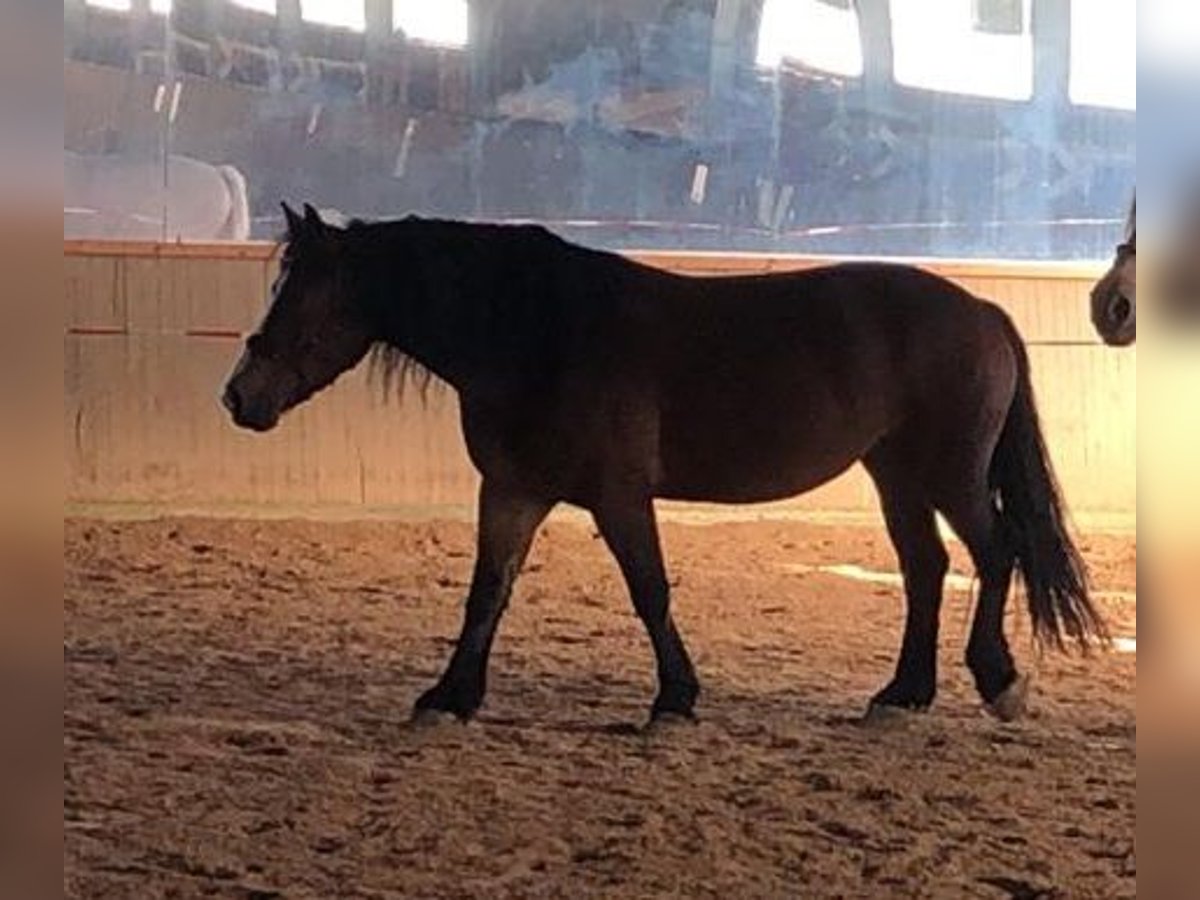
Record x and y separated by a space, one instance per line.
266 691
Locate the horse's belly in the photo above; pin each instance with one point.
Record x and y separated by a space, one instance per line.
748 487
750 465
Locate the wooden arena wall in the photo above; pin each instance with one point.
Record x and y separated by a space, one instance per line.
152 331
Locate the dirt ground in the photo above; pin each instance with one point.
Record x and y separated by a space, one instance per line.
238 693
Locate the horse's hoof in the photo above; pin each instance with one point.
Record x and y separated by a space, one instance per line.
1009 705
885 715
434 718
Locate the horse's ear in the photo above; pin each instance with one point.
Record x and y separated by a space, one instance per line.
294 223
312 219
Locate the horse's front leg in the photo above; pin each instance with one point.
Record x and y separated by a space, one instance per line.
631 532
507 522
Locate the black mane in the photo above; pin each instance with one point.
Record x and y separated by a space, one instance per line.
393 370
502 288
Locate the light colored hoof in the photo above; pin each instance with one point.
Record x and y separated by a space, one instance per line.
1010 705
433 718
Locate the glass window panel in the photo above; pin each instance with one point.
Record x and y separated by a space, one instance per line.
620 127
938 46
444 22
264 6
340 13
813 32
1104 53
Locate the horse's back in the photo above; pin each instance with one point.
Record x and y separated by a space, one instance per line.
769 386
863 327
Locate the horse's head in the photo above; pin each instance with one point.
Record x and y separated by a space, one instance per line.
316 327
1114 298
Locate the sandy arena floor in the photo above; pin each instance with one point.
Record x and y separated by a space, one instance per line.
237 697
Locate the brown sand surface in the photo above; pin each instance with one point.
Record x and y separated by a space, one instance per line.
237 698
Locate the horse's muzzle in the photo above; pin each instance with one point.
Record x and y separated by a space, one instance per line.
248 415
1115 318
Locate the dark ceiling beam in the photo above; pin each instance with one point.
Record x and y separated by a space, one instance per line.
379 21
875 24
291 23
734 34
1051 52
483 45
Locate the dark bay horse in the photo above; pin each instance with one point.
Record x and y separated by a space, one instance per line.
589 379
1114 297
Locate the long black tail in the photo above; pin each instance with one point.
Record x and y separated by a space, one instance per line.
1032 508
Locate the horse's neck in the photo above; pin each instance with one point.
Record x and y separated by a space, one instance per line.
437 301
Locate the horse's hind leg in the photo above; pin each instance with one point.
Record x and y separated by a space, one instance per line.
923 561
631 533
507 522
974 517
